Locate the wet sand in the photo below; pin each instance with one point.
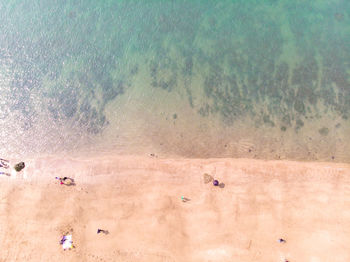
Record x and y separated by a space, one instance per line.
138 200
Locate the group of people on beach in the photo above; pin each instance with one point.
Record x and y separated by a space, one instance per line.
66 240
207 179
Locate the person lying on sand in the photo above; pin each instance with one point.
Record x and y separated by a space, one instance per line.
66 181
4 163
184 199
102 231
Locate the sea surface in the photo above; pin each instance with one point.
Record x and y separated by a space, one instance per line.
261 79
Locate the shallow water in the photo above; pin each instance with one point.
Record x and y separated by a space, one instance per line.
262 79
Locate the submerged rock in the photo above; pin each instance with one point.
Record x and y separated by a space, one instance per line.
323 131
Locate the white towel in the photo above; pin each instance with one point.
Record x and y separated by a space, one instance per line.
68 242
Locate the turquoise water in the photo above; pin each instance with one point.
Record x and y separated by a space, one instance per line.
262 79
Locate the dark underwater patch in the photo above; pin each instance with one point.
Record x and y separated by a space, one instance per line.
299 124
299 106
323 131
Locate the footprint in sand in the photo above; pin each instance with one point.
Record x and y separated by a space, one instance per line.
96 257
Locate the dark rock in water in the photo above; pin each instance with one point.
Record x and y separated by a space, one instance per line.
164 84
188 66
18 167
286 119
313 99
267 121
299 106
324 131
69 103
153 69
134 70
215 183
283 128
110 91
299 123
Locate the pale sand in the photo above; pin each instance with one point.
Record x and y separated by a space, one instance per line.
138 199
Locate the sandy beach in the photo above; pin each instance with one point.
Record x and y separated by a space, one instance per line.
138 200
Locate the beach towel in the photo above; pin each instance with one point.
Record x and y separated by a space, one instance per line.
67 242
207 178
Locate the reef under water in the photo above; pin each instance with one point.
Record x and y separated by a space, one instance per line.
280 66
